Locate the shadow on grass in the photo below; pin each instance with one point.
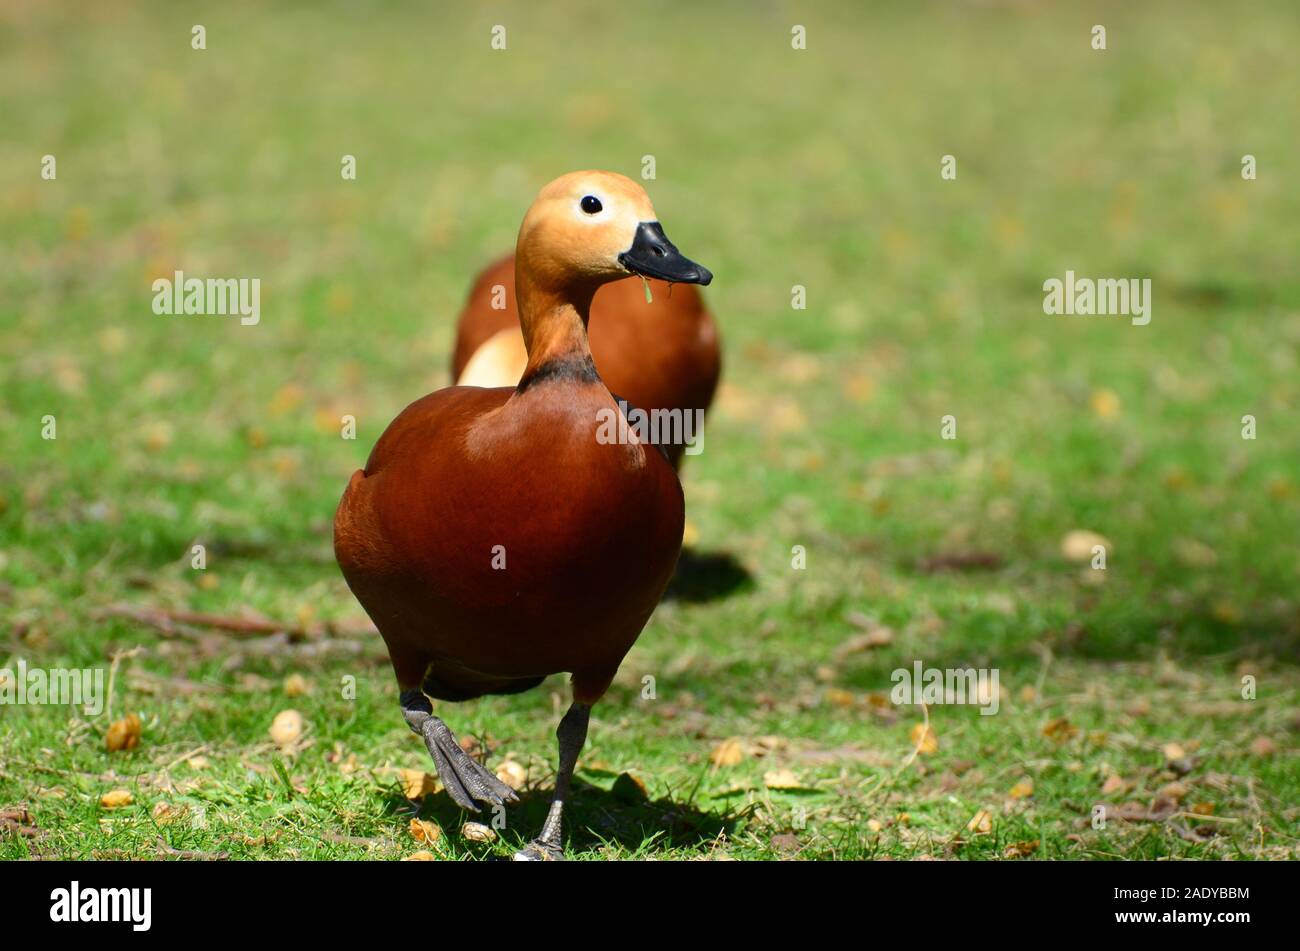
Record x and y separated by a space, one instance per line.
593 817
706 576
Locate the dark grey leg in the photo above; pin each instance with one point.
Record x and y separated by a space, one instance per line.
464 778
572 734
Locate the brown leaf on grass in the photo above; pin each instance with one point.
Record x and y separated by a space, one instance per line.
1203 808
416 783
1105 403
981 823
1077 545
16 814
1115 783
1173 751
781 779
1162 808
1022 789
839 697
768 743
1262 746
925 739
124 734
1175 791
512 774
116 799
1129 811
18 820
730 752
164 813
1060 729
421 856
295 685
422 830
1020 850
477 832
786 842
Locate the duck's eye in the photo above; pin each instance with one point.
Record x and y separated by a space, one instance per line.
591 205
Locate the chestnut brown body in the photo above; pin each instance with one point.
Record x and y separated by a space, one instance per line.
494 540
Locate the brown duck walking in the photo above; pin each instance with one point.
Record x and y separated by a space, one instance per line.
492 537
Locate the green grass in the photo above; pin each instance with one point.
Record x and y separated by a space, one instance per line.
775 168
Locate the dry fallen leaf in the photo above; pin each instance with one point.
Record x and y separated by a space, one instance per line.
124 734
477 832
1173 751
729 752
420 857
925 739
286 728
1077 545
781 779
512 774
1175 791
1105 403
1020 850
422 830
1203 808
1060 729
1115 783
116 799
1022 789
839 697
981 823
416 783
164 813
1262 746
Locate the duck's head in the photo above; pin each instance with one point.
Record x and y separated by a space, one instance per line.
589 228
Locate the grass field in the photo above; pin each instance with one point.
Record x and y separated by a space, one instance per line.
771 734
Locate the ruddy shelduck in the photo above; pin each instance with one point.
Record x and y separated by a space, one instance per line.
492 537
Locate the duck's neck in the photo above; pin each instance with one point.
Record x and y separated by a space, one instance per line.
554 322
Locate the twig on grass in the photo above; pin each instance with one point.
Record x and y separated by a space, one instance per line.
169 622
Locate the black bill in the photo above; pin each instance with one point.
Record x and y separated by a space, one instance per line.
653 255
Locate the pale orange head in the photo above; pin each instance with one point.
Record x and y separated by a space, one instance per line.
589 228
